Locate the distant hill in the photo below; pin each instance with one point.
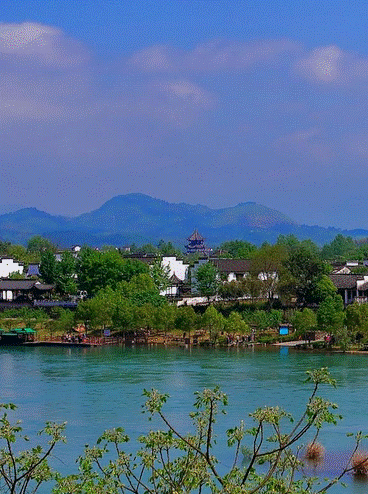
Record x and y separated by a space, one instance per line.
141 219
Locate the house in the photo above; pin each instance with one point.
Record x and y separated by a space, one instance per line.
232 269
22 291
351 287
8 265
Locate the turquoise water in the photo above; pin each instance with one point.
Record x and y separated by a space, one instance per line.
94 389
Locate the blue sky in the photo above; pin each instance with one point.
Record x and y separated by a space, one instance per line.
211 102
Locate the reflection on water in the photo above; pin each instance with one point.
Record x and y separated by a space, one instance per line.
97 388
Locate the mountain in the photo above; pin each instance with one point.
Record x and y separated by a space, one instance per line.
142 219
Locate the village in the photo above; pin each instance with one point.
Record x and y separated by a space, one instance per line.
238 294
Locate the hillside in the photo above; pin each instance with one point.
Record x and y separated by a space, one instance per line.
139 218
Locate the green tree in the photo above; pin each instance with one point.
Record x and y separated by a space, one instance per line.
236 249
235 324
207 279
356 317
268 266
38 244
341 248
160 274
65 278
97 270
325 288
305 268
186 319
48 267
304 321
213 322
331 318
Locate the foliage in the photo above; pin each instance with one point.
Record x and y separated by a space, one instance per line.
97 270
268 266
356 317
304 321
160 274
235 324
306 269
186 319
236 249
24 471
330 318
341 248
325 288
208 281
38 244
213 322
170 461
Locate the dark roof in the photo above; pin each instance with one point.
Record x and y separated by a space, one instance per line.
347 281
33 270
239 266
363 287
195 236
23 285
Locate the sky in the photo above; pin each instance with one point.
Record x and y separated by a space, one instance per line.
213 102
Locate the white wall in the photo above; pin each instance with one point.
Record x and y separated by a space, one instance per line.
8 265
176 266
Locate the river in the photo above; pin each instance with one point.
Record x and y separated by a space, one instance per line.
97 388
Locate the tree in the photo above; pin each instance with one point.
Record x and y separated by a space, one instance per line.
24 471
213 322
38 244
236 249
65 276
325 288
160 274
304 321
341 248
268 265
207 279
171 461
306 269
48 267
97 270
356 317
186 319
330 318
231 290
235 324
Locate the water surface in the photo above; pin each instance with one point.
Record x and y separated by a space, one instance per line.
94 389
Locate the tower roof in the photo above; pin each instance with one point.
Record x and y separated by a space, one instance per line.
196 236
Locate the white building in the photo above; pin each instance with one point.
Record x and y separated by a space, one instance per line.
8 266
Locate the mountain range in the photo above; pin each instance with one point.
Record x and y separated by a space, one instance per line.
140 219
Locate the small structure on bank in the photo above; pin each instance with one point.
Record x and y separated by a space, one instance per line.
195 243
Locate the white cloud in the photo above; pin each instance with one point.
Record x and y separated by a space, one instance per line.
212 56
330 64
40 44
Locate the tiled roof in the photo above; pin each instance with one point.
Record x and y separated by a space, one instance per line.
23 285
347 281
232 265
196 236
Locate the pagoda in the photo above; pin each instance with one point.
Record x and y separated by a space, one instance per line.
195 243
